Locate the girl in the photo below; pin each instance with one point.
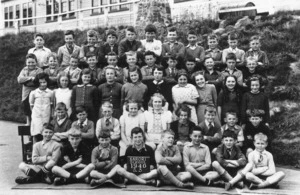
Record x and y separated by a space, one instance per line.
128 121
229 98
183 126
111 91
26 78
211 75
186 93
207 95
86 94
41 102
52 71
63 93
157 120
255 99
134 89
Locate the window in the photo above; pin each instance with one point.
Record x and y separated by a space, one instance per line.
125 6
17 11
95 3
30 5
6 17
25 13
11 15
48 9
64 8
72 8
114 8
104 2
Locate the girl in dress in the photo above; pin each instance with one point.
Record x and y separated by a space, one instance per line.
63 93
229 98
41 102
185 93
207 95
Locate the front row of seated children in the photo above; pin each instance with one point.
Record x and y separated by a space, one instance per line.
72 163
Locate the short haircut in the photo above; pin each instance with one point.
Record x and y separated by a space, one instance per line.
74 56
80 109
90 55
255 38
53 55
190 59
135 69
180 73
137 130
158 95
48 126
112 33
229 133
251 59
197 128
159 67
212 36
255 113
172 29
231 56
61 106
104 134
70 32
39 76
233 36
112 54
192 32
74 132
170 132
131 29
210 109
231 113
261 136
150 28
63 74
171 57
38 35
131 101
131 53
183 108
200 72
111 67
92 33
107 104
149 53
32 56
208 57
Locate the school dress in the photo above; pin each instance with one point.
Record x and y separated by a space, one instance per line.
41 100
64 95
207 96
187 92
130 122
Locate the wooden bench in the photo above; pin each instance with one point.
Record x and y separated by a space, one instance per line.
26 147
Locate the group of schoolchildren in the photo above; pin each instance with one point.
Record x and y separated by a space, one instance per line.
200 115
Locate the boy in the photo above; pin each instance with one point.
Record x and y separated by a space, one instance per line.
73 71
159 85
197 160
214 52
109 124
92 61
104 158
129 44
172 47
109 46
140 150
229 158
211 130
193 50
85 126
76 157
239 53
253 127
231 125
131 59
61 123
260 56
66 51
171 71
231 61
190 65
92 38
45 155
260 170
211 75
168 159
40 51
150 59
150 43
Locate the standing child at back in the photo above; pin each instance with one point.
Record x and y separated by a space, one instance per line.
211 75
172 69
151 43
52 70
231 61
150 60
69 49
111 45
239 53
193 50
92 61
214 52
40 51
172 46
90 47
26 78
73 71
41 103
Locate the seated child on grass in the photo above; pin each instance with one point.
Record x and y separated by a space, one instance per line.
109 124
104 158
168 159
260 170
76 158
45 154
229 158
197 160
139 150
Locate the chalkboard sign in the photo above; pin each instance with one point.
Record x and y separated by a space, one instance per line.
138 164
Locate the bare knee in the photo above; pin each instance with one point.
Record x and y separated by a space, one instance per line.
162 169
93 173
90 166
249 176
55 169
189 168
281 174
215 164
121 170
22 166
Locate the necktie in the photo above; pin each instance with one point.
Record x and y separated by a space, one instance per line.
70 49
172 72
209 126
107 122
260 158
81 125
